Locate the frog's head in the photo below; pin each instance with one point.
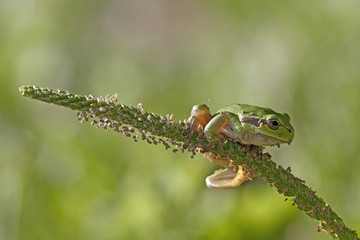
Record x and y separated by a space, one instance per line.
271 128
278 126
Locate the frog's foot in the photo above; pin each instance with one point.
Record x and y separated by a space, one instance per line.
200 116
227 178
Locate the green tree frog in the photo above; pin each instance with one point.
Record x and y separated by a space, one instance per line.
247 124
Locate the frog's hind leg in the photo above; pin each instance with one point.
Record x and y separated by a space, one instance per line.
232 176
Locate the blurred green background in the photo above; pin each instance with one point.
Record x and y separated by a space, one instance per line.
63 180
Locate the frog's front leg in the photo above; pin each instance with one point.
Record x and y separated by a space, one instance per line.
201 120
213 128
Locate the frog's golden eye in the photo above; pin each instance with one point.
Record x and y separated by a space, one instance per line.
273 123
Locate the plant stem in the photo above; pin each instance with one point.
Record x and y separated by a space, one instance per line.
106 112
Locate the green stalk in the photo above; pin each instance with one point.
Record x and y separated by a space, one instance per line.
107 113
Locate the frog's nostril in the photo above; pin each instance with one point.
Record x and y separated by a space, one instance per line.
290 131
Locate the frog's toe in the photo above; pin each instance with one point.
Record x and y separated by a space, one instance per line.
194 127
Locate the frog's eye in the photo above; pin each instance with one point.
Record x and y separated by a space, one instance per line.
273 123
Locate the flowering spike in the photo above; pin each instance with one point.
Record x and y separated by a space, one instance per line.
106 112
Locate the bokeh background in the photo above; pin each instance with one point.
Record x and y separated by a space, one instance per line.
63 180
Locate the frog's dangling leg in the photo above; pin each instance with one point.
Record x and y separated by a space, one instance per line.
227 178
232 176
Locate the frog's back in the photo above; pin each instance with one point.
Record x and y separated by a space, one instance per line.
246 109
